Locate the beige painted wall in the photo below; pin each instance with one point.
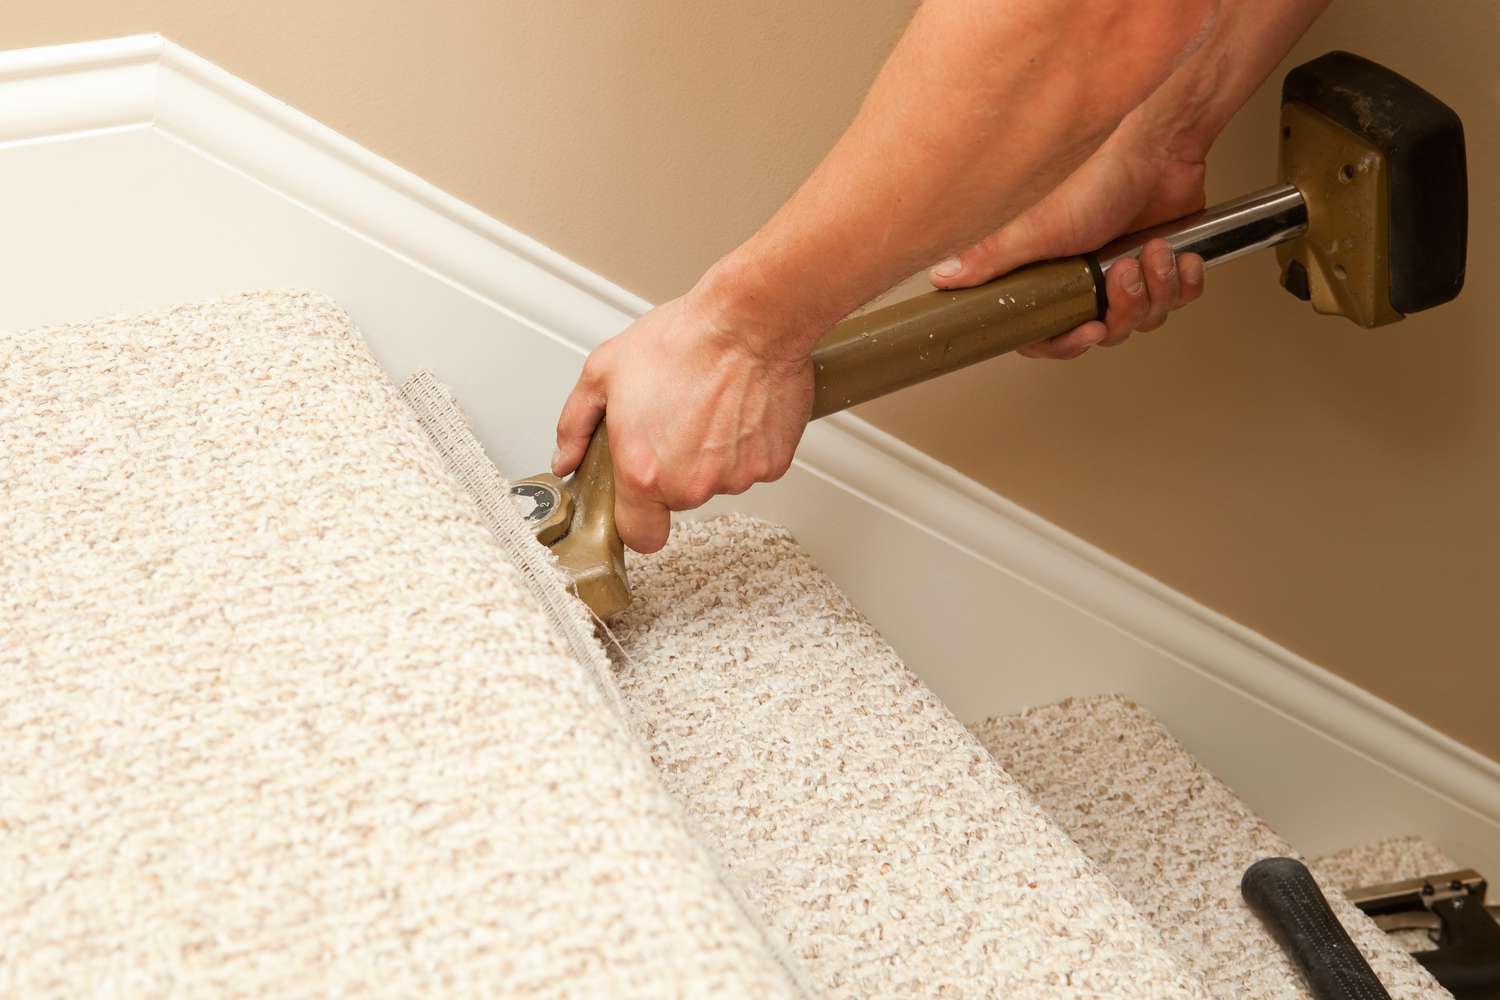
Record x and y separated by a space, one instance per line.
1335 489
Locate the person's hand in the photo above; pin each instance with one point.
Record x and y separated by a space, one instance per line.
694 411
1125 186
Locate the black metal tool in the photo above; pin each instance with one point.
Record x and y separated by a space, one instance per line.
1283 894
1466 960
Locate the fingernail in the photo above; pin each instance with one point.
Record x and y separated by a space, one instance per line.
1166 263
556 459
1134 284
948 268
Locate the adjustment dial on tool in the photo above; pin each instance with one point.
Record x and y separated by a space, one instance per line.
551 511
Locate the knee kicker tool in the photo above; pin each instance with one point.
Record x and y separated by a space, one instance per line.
1369 220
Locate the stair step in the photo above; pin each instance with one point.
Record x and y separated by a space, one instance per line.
1393 860
279 717
882 844
1175 841
860 817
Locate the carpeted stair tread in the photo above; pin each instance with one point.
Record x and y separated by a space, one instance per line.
872 830
859 817
1175 840
281 718
1393 860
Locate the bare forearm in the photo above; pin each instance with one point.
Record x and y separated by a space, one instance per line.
1247 40
981 109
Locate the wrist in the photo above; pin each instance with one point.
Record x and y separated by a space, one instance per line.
737 299
1177 124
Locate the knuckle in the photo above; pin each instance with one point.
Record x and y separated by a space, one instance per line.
693 489
593 367
640 478
774 468
694 496
986 249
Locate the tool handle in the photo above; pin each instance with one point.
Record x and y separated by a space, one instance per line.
1283 894
933 334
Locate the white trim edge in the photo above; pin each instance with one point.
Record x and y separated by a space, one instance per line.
63 90
1013 540
274 144
142 81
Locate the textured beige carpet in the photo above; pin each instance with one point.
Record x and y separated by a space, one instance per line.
1175 840
280 716
285 711
874 832
868 827
1393 860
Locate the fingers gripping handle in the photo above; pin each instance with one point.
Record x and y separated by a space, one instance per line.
912 341
930 335
859 359
1283 894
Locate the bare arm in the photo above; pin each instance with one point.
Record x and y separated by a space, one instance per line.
1102 110
981 109
1247 40
1149 171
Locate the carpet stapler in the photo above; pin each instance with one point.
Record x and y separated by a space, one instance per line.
1369 220
1291 906
1451 907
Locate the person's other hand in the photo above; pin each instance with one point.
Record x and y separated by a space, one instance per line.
694 411
1125 186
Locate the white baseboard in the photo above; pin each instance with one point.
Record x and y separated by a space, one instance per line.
196 183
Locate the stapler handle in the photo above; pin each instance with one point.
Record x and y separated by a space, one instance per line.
1283 894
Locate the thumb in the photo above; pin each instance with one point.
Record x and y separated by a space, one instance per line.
999 253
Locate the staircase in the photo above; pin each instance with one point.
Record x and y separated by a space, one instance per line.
292 703
1074 849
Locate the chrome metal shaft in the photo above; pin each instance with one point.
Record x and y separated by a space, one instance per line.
1223 232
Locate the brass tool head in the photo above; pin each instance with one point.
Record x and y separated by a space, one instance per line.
576 520
1380 164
